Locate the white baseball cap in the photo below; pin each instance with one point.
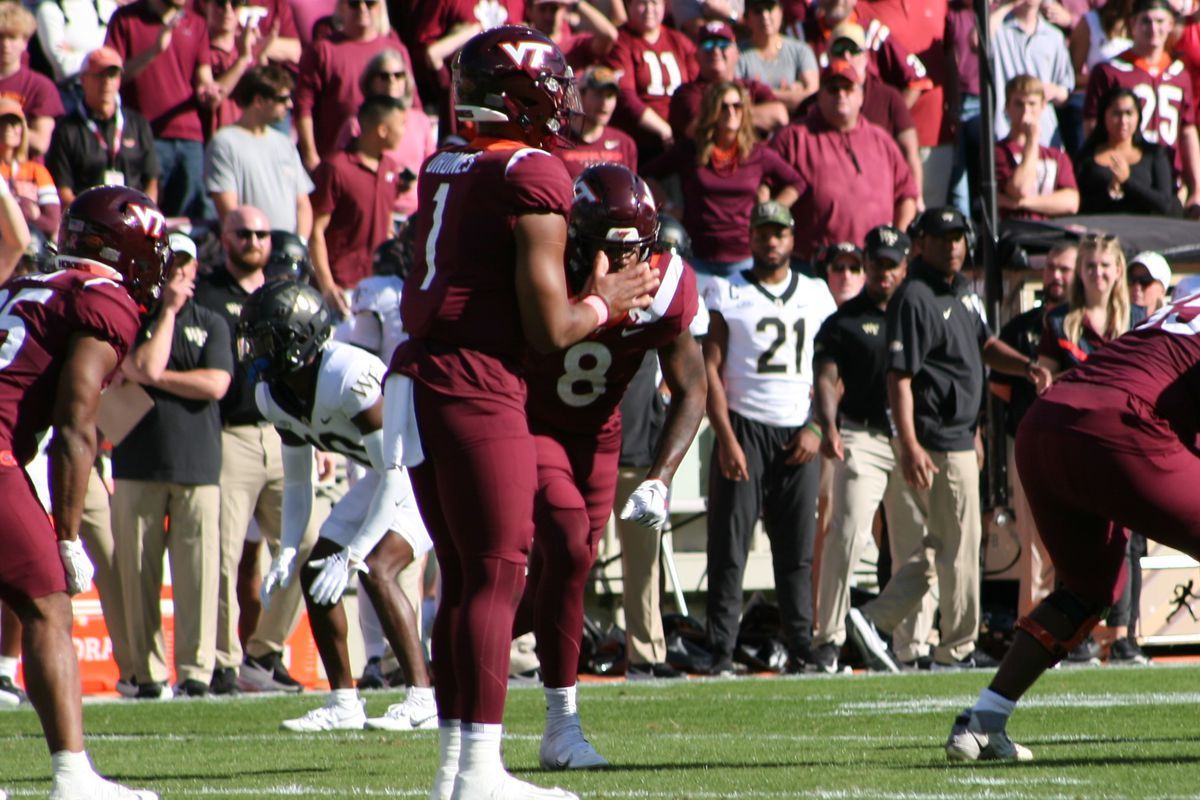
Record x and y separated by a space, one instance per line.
1155 264
180 242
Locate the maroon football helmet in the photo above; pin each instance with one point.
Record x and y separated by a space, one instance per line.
516 74
122 229
613 210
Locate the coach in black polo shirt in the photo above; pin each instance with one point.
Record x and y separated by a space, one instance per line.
102 142
938 343
852 347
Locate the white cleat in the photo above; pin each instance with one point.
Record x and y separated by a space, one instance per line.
569 749
969 742
407 716
97 789
3 795
490 786
329 717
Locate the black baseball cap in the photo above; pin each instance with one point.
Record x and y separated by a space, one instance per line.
940 221
884 241
1140 6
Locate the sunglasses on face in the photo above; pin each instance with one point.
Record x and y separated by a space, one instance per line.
392 76
736 105
708 45
229 3
283 98
844 47
357 4
1142 280
853 269
245 234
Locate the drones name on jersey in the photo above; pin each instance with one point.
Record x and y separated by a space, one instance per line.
283 327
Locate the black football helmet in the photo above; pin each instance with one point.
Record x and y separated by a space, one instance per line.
122 229
394 256
283 327
613 209
673 237
516 74
289 258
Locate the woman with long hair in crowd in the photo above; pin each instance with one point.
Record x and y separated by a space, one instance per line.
1117 170
29 180
720 172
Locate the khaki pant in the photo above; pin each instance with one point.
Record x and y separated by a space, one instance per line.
645 642
1035 569
139 509
869 474
252 487
97 534
953 532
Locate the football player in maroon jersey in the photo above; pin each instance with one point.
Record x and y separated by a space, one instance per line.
574 413
64 335
488 282
1108 449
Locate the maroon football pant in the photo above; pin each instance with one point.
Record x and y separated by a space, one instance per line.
1087 485
475 491
577 482
30 566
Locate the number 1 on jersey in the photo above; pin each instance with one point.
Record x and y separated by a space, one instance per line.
439 211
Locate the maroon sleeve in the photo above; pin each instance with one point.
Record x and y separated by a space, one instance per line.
906 186
620 58
538 182
326 192
310 80
682 305
778 173
894 65
902 118
287 20
759 91
684 108
105 310
1099 82
1066 172
203 46
1004 166
41 97
118 32
431 23
785 143
686 49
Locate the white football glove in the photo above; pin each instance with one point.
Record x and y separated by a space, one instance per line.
279 575
79 567
647 506
327 589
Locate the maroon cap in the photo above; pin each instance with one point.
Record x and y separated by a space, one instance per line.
716 30
841 68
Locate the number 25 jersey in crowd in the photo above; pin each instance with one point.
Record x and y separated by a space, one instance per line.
579 390
38 316
768 370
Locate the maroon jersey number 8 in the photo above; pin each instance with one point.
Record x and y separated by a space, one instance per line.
576 373
1182 319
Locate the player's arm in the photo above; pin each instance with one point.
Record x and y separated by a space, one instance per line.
683 369
729 451
297 510
73 449
550 321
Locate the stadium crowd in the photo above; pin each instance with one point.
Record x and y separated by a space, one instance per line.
821 159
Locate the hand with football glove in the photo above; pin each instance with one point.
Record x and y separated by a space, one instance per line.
79 567
279 575
647 506
327 589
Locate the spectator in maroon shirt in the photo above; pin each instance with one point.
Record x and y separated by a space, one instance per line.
855 172
1032 181
882 104
168 77
597 143
327 92
581 49
36 93
721 171
233 47
352 204
717 58
653 61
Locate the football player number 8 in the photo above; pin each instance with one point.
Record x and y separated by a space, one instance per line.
585 367
12 326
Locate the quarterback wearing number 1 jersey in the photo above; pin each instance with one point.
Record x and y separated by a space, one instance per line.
574 414
1109 448
760 378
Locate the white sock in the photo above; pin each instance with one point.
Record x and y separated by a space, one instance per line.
421 695
560 706
345 698
8 667
71 767
481 748
993 710
449 741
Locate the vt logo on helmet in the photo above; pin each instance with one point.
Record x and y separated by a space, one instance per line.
613 211
283 327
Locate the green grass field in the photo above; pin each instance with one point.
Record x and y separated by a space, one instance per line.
1096 733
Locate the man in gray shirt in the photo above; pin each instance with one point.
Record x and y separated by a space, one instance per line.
252 163
1024 43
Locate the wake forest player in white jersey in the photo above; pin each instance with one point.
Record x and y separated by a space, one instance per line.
759 359
328 395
